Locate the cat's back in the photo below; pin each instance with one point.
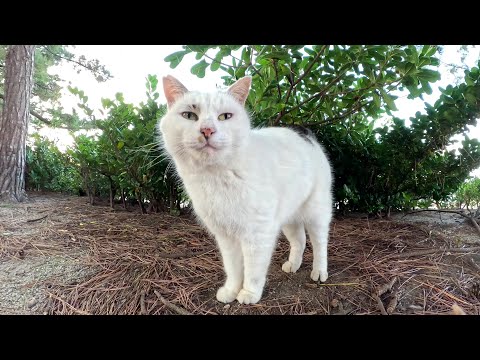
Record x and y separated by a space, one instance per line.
288 138
293 147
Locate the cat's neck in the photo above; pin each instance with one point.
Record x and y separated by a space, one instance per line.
193 168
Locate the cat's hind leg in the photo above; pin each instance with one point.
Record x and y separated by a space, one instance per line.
295 234
318 226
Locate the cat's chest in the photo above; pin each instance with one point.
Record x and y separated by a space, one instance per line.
220 200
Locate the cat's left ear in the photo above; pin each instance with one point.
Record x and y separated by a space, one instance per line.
240 89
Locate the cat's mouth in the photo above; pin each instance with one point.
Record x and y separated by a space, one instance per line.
208 145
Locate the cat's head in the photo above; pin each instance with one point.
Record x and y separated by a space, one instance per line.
208 128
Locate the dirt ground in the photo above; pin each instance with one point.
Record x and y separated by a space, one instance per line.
60 255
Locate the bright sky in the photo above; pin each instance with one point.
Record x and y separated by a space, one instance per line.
130 65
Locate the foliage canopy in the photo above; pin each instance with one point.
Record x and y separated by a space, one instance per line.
339 92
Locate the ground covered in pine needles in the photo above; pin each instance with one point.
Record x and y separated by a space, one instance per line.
60 255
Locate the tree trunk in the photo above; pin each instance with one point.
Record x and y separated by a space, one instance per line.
14 121
112 192
93 191
140 202
123 198
172 197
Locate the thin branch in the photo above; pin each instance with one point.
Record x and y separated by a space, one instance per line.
40 117
143 310
293 85
184 254
278 81
171 306
289 91
43 119
310 66
431 251
472 220
34 113
108 76
319 95
438 210
222 63
78 311
340 117
33 220
380 304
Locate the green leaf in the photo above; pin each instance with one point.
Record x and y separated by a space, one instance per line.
246 55
471 98
215 65
412 54
376 100
120 145
175 58
240 72
106 103
199 69
198 48
428 75
448 99
389 100
426 87
279 55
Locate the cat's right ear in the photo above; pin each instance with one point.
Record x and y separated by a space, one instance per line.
239 90
173 89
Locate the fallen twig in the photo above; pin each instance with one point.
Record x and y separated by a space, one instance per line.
431 251
184 254
386 287
41 218
171 306
471 218
380 304
392 303
143 310
379 291
80 312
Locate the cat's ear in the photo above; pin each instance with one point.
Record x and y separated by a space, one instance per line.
173 89
240 89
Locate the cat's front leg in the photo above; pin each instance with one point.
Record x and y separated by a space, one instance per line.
233 265
257 254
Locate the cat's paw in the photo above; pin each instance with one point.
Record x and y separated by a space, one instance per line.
248 297
315 274
225 295
288 267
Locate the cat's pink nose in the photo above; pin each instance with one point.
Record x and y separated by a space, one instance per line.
207 132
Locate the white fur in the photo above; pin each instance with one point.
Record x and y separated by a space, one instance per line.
250 186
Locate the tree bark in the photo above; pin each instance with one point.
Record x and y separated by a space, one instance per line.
112 191
122 191
140 202
14 121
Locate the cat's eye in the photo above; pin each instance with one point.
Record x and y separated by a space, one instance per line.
224 116
190 115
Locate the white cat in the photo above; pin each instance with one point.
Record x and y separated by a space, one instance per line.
248 184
